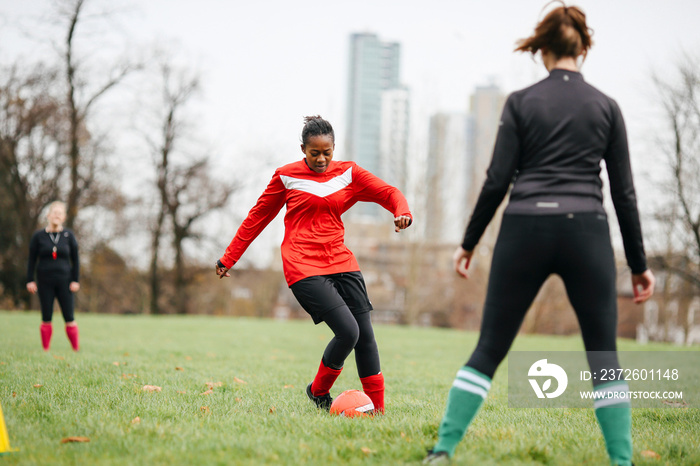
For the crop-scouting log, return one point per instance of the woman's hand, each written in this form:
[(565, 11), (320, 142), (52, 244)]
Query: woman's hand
[(643, 286), (402, 222), (461, 259), (32, 288), (222, 271), (74, 287)]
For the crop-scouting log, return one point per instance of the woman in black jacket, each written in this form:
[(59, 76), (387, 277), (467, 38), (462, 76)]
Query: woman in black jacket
[(550, 143), (53, 257)]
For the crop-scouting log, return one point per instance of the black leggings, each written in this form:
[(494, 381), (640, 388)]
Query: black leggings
[(55, 288), (351, 332), (341, 301), (530, 248)]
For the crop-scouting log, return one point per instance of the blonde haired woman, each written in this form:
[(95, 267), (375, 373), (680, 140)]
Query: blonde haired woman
[(53, 257)]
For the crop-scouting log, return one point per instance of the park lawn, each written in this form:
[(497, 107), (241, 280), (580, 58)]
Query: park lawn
[(259, 414)]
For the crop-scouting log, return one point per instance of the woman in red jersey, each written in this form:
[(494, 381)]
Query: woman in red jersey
[(320, 270)]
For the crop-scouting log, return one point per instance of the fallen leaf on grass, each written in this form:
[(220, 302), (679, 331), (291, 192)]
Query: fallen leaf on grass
[(178, 368), (366, 451), (136, 420), (75, 439), (208, 392), (675, 404), (115, 363), (58, 357), (211, 385), (129, 376), (151, 388), (189, 358), (14, 394), (182, 392), (238, 400), (289, 386), (237, 380), (205, 409), (650, 454), (3, 363), (272, 410), (38, 385)]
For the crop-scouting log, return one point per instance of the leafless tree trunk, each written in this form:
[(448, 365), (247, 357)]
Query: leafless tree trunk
[(681, 104), (79, 102), (30, 167), (194, 194), (186, 191)]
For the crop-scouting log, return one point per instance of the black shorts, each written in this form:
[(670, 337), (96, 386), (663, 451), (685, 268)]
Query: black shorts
[(322, 293)]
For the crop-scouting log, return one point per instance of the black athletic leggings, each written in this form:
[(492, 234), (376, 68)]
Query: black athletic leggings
[(341, 301), (55, 288), (351, 332), (531, 247)]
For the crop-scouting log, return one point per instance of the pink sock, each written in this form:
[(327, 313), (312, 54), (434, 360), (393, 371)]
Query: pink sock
[(324, 380), (46, 330), (72, 332), (373, 386)]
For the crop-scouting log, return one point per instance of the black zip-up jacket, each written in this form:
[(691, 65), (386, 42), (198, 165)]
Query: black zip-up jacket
[(551, 140), (66, 263)]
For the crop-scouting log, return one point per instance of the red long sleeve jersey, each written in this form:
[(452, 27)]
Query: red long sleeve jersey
[(314, 232)]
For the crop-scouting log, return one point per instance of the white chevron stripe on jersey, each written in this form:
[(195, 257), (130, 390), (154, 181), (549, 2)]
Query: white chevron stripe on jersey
[(318, 189)]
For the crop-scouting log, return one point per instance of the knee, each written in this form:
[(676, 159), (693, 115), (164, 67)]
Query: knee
[(350, 335)]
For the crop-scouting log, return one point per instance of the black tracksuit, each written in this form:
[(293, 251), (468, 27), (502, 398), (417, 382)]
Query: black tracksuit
[(53, 276), (552, 137)]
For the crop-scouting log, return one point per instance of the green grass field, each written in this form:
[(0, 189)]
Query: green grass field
[(260, 414)]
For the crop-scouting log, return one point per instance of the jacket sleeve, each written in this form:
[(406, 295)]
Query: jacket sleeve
[(33, 255), (370, 188), (499, 176), (617, 162), (265, 210), (74, 258)]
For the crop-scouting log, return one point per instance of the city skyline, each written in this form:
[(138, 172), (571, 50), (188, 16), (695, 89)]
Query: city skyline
[(265, 65)]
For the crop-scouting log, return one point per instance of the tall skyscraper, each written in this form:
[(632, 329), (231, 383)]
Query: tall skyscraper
[(448, 177), (486, 106), (377, 112), (393, 137)]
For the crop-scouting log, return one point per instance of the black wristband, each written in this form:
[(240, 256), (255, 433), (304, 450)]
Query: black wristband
[(220, 265)]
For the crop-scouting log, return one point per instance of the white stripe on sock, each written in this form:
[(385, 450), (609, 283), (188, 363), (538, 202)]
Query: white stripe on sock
[(469, 387), (610, 401), (473, 378), (616, 388)]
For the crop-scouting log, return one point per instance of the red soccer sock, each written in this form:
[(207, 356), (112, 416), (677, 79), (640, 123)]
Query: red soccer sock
[(46, 330), (324, 380), (373, 386), (72, 332)]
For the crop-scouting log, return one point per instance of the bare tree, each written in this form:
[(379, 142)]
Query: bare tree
[(186, 191), (193, 194), (31, 166), (80, 100), (681, 104)]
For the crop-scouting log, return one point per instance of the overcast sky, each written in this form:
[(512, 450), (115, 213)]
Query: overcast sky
[(265, 64)]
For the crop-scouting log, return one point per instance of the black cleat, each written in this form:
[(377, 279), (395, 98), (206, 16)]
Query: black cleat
[(323, 401), (436, 457)]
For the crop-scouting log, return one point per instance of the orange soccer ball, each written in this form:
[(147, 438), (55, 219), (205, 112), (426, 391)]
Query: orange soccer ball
[(352, 403)]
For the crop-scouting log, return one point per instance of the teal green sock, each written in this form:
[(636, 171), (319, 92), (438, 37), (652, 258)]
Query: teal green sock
[(615, 419), (466, 396)]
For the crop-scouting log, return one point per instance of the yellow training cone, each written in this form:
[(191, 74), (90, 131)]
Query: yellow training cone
[(4, 438)]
